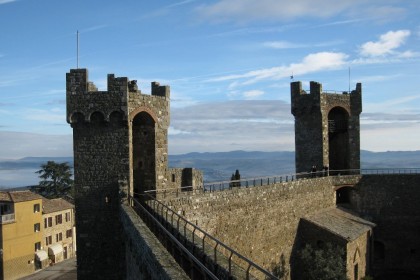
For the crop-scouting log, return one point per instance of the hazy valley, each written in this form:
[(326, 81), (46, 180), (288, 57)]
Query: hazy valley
[(216, 166)]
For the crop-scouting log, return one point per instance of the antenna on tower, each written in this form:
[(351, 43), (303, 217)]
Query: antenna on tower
[(77, 49), (349, 79)]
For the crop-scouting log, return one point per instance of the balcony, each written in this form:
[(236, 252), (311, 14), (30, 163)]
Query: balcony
[(7, 218)]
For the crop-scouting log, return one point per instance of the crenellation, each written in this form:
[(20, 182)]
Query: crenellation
[(327, 129), (315, 88), (159, 90)]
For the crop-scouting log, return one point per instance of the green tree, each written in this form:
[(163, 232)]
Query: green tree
[(55, 178), (325, 263)]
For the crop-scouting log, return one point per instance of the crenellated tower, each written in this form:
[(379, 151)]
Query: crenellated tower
[(120, 147), (327, 127)]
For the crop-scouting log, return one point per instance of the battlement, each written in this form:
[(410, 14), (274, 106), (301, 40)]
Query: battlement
[(302, 101), (78, 83), (121, 97), (315, 88)]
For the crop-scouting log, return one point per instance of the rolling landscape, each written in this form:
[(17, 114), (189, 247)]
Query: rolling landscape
[(215, 166)]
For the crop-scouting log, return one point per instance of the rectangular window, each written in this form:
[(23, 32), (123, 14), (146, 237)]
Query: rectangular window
[(37, 227), (5, 209), (37, 246), (69, 233), (37, 208), (48, 240), (58, 219), (68, 217), (59, 237), (47, 222)]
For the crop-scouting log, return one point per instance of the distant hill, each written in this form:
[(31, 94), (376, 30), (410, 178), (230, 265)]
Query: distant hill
[(31, 162), (220, 166), (216, 166)]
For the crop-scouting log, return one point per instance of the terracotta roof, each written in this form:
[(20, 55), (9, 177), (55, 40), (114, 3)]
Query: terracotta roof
[(341, 222), (55, 205), (18, 196)]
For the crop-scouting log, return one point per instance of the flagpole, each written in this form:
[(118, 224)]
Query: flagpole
[(77, 49), (349, 79)]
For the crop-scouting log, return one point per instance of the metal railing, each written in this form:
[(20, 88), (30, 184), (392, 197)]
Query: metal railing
[(270, 180), (223, 255), (202, 267)]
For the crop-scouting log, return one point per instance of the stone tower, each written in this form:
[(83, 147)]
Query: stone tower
[(120, 147), (327, 127)]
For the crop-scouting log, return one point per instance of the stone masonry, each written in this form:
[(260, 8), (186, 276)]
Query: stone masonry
[(120, 148), (327, 128)]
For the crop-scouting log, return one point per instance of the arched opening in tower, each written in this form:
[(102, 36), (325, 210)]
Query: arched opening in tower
[(343, 196), (338, 140), (144, 153)]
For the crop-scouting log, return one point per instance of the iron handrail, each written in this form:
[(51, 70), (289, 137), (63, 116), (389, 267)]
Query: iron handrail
[(218, 243), (202, 267), (320, 173), (269, 180)]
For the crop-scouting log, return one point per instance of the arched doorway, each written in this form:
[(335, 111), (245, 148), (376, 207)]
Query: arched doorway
[(144, 153), (338, 140)]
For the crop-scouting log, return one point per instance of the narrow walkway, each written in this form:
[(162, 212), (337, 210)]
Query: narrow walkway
[(65, 270)]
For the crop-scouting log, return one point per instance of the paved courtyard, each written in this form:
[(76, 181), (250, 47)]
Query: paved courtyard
[(65, 270)]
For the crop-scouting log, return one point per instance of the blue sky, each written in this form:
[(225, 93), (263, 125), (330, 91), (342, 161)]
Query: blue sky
[(228, 63)]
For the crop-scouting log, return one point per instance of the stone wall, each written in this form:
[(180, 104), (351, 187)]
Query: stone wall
[(146, 257), (17, 268), (392, 203), (261, 222), (258, 222), (184, 177)]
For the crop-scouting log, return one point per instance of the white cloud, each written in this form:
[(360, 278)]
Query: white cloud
[(392, 104), (15, 145), (252, 94), (225, 126), (311, 63), (6, 1), (372, 133), (408, 54), (174, 131), (386, 45), (248, 10), (179, 4), (282, 45), (54, 115), (93, 28)]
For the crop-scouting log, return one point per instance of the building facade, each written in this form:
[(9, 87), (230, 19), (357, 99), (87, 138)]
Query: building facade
[(21, 233), (59, 239)]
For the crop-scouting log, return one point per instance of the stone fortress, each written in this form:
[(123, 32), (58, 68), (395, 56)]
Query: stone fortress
[(120, 151)]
